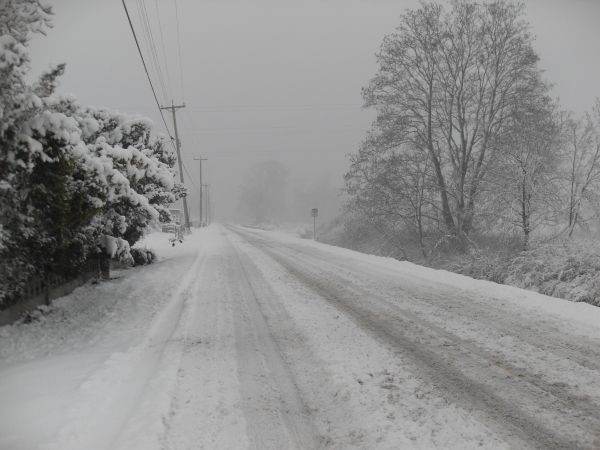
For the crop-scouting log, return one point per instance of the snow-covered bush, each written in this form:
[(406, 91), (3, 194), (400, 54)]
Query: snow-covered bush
[(567, 269), (142, 256)]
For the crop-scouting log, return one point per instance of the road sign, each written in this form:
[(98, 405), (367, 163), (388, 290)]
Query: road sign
[(314, 212)]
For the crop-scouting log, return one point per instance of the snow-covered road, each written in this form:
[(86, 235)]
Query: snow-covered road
[(242, 338)]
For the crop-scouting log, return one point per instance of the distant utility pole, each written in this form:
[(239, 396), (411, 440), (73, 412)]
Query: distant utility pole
[(207, 186), (208, 205), (200, 159), (173, 108)]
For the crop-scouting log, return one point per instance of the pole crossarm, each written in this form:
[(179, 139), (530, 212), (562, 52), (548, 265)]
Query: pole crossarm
[(172, 107)]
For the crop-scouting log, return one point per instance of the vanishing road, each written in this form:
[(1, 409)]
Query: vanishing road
[(243, 338)]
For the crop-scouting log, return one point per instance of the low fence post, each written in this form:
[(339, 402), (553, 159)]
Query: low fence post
[(46, 290)]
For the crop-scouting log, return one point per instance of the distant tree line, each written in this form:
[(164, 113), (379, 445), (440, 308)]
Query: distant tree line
[(75, 181), (467, 137)]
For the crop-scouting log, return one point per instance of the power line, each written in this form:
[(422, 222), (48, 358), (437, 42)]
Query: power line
[(188, 174), (162, 41), (282, 150), (179, 50), (279, 131), (277, 127), (137, 44), (251, 107), (148, 47), (143, 12), (266, 108)]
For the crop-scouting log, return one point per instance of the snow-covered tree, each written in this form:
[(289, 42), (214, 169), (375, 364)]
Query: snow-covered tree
[(19, 21), (146, 161), (74, 181)]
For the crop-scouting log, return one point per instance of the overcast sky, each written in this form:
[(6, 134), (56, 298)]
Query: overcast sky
[(274, 79)]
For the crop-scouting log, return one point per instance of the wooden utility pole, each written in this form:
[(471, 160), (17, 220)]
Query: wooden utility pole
[(200, 159), (207, 209), (208, 206), (173, 108)]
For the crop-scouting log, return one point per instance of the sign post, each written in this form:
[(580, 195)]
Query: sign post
[(314, 213)]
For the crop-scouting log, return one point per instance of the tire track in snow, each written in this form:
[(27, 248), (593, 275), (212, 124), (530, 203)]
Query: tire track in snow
[(275, 413), (447, 306), (500, 400), (539, 349)]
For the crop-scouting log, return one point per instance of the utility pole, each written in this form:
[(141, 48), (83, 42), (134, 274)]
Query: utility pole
[(173, 108), (211, 207), (207, 186), (200, 159), (208, 206)]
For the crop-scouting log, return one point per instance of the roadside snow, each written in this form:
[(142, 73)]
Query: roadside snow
[(67, 379)]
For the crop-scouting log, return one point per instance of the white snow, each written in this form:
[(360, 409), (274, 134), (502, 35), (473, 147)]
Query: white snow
[(218, 345)]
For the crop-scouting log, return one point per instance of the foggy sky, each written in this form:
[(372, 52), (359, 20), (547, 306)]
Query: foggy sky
[(266, 79)]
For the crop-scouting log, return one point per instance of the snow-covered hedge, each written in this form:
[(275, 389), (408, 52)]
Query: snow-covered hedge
[(74, 180)]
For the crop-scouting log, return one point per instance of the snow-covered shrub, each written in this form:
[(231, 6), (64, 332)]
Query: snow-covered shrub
[(116, 248), (481, 265), (142, 256), (567, 269)]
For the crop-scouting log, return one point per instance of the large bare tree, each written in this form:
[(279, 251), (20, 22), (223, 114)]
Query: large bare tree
[(447, 85)]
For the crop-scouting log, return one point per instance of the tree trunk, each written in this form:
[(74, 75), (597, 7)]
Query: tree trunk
[(525, 215)]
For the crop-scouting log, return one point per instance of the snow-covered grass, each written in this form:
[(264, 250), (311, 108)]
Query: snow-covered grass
[(567, 269)]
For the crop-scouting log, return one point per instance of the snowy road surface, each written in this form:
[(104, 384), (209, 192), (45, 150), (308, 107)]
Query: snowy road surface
[(249, 339)]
